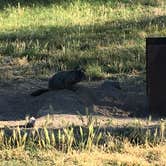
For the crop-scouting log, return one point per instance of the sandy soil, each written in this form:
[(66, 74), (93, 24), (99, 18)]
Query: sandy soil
[(99, 98)]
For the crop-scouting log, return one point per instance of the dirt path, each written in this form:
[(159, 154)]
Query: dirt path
[(100, 98)]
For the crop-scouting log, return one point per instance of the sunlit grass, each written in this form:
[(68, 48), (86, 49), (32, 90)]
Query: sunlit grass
[(72, 14), (59, 36)]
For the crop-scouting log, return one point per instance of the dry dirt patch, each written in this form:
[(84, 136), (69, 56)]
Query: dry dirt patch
[(100, 98)]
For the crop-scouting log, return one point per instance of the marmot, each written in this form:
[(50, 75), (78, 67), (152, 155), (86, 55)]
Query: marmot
[(62, 80)]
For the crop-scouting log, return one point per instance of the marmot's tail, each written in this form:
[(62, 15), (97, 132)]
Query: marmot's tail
[(39, 92)]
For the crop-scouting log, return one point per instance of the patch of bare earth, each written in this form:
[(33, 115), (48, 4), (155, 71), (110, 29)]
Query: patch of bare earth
[(100, 98)]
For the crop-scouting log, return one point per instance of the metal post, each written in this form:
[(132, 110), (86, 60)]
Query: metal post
[(156, 75)]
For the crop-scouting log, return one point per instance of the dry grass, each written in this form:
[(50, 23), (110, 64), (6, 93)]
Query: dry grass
[(130, 155)]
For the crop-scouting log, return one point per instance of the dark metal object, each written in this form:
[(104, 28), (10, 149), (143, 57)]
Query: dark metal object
[(156, 75)]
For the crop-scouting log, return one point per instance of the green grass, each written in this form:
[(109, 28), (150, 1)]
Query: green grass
[(58, 35)]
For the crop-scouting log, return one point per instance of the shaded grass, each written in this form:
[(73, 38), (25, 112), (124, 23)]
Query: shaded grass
[(31, 3)]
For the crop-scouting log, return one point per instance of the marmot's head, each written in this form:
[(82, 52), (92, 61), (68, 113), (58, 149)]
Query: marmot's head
[(80, 73)]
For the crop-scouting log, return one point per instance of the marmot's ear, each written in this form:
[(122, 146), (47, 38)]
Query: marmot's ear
[(79, 67)]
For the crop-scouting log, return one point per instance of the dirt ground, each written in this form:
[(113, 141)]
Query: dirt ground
[(100, 98)]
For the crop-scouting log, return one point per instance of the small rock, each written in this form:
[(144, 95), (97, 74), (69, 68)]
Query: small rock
[(31, 122)]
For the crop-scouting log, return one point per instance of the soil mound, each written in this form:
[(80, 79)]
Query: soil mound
[(100, 97)]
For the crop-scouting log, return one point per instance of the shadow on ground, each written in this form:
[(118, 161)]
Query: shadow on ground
[(98, 97), (31, 3)]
